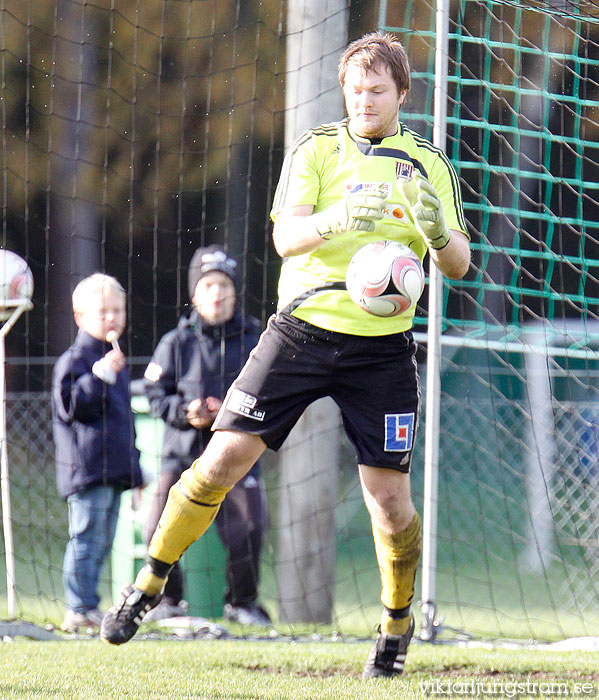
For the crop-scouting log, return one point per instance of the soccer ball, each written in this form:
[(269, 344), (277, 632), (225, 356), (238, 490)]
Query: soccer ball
[(16, 282), (385, 278)]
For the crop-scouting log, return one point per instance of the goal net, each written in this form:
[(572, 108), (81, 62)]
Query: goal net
[(132, 133), (517, 534)]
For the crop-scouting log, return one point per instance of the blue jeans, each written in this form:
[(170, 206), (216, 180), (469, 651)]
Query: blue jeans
[(93, 516)]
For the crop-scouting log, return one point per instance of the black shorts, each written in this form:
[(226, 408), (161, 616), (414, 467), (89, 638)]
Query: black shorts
[(373, 380)]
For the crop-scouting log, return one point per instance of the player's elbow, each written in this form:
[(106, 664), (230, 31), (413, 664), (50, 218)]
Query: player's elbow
[(293, 231), (456, 264), (281, 243), (294, 236), (458, 268), (282, 235)]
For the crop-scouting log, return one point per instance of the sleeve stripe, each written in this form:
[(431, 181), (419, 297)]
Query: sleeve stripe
[(331, 130)]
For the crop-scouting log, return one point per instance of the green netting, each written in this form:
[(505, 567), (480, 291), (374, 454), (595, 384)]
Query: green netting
[(518, 465), (523, 133)]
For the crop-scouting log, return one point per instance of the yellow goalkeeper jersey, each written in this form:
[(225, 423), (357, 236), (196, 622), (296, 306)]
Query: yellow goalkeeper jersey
[(324, 165)]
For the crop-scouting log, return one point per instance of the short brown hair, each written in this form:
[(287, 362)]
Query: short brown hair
[(374, 49)]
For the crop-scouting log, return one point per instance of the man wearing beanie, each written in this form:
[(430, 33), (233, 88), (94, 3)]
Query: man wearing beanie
[(190, 372)]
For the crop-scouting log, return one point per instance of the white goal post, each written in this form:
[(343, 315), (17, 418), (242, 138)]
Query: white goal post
[(19, 307)]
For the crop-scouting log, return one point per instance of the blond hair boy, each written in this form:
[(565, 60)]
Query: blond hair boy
[(94, 436)]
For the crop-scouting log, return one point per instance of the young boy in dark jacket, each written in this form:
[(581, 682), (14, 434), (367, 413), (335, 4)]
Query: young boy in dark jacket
[(94, 436), (190, 372)]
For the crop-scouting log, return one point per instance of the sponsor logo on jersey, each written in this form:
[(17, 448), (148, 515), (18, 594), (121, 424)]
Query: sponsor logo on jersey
[(404, 171), (399, 432), (244, 405), (393, 210), (368, 187)]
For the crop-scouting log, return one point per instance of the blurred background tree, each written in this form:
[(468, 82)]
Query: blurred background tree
[(133, 133)]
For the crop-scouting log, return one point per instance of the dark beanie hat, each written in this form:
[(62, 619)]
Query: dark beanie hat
[(206, 260)]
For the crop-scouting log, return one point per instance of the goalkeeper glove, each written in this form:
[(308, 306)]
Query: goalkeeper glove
[(426, 210), (357, 212)]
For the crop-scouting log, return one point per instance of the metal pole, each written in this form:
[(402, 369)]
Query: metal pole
[(382, 14), (75, 241), (430, 625), (4, 475), (541, 465)]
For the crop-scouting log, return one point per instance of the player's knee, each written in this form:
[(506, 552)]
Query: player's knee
[(393, 512), (228, 457)]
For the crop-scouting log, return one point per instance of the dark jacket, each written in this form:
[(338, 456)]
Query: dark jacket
[(193, 361), (92, 422)]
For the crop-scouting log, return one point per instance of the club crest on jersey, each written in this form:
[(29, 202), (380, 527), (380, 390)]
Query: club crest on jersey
[(399, 432), (244, 405), (404, 171)]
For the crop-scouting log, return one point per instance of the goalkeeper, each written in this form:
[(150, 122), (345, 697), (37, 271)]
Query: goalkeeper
[(343, 185)]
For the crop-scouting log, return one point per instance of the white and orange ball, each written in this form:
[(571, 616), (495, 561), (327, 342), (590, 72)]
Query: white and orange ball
[(385, 278), (16, 282)]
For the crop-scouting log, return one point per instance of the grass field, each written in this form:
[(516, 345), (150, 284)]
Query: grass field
[(246, 670), (483, 586)]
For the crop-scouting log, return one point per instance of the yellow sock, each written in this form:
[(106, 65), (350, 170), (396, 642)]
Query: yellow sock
[(148, 582), (395, 627), (192, 505), (397, 555)]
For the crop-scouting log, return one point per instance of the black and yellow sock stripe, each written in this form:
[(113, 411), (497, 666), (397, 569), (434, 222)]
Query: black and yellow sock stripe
[(193, 503)]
